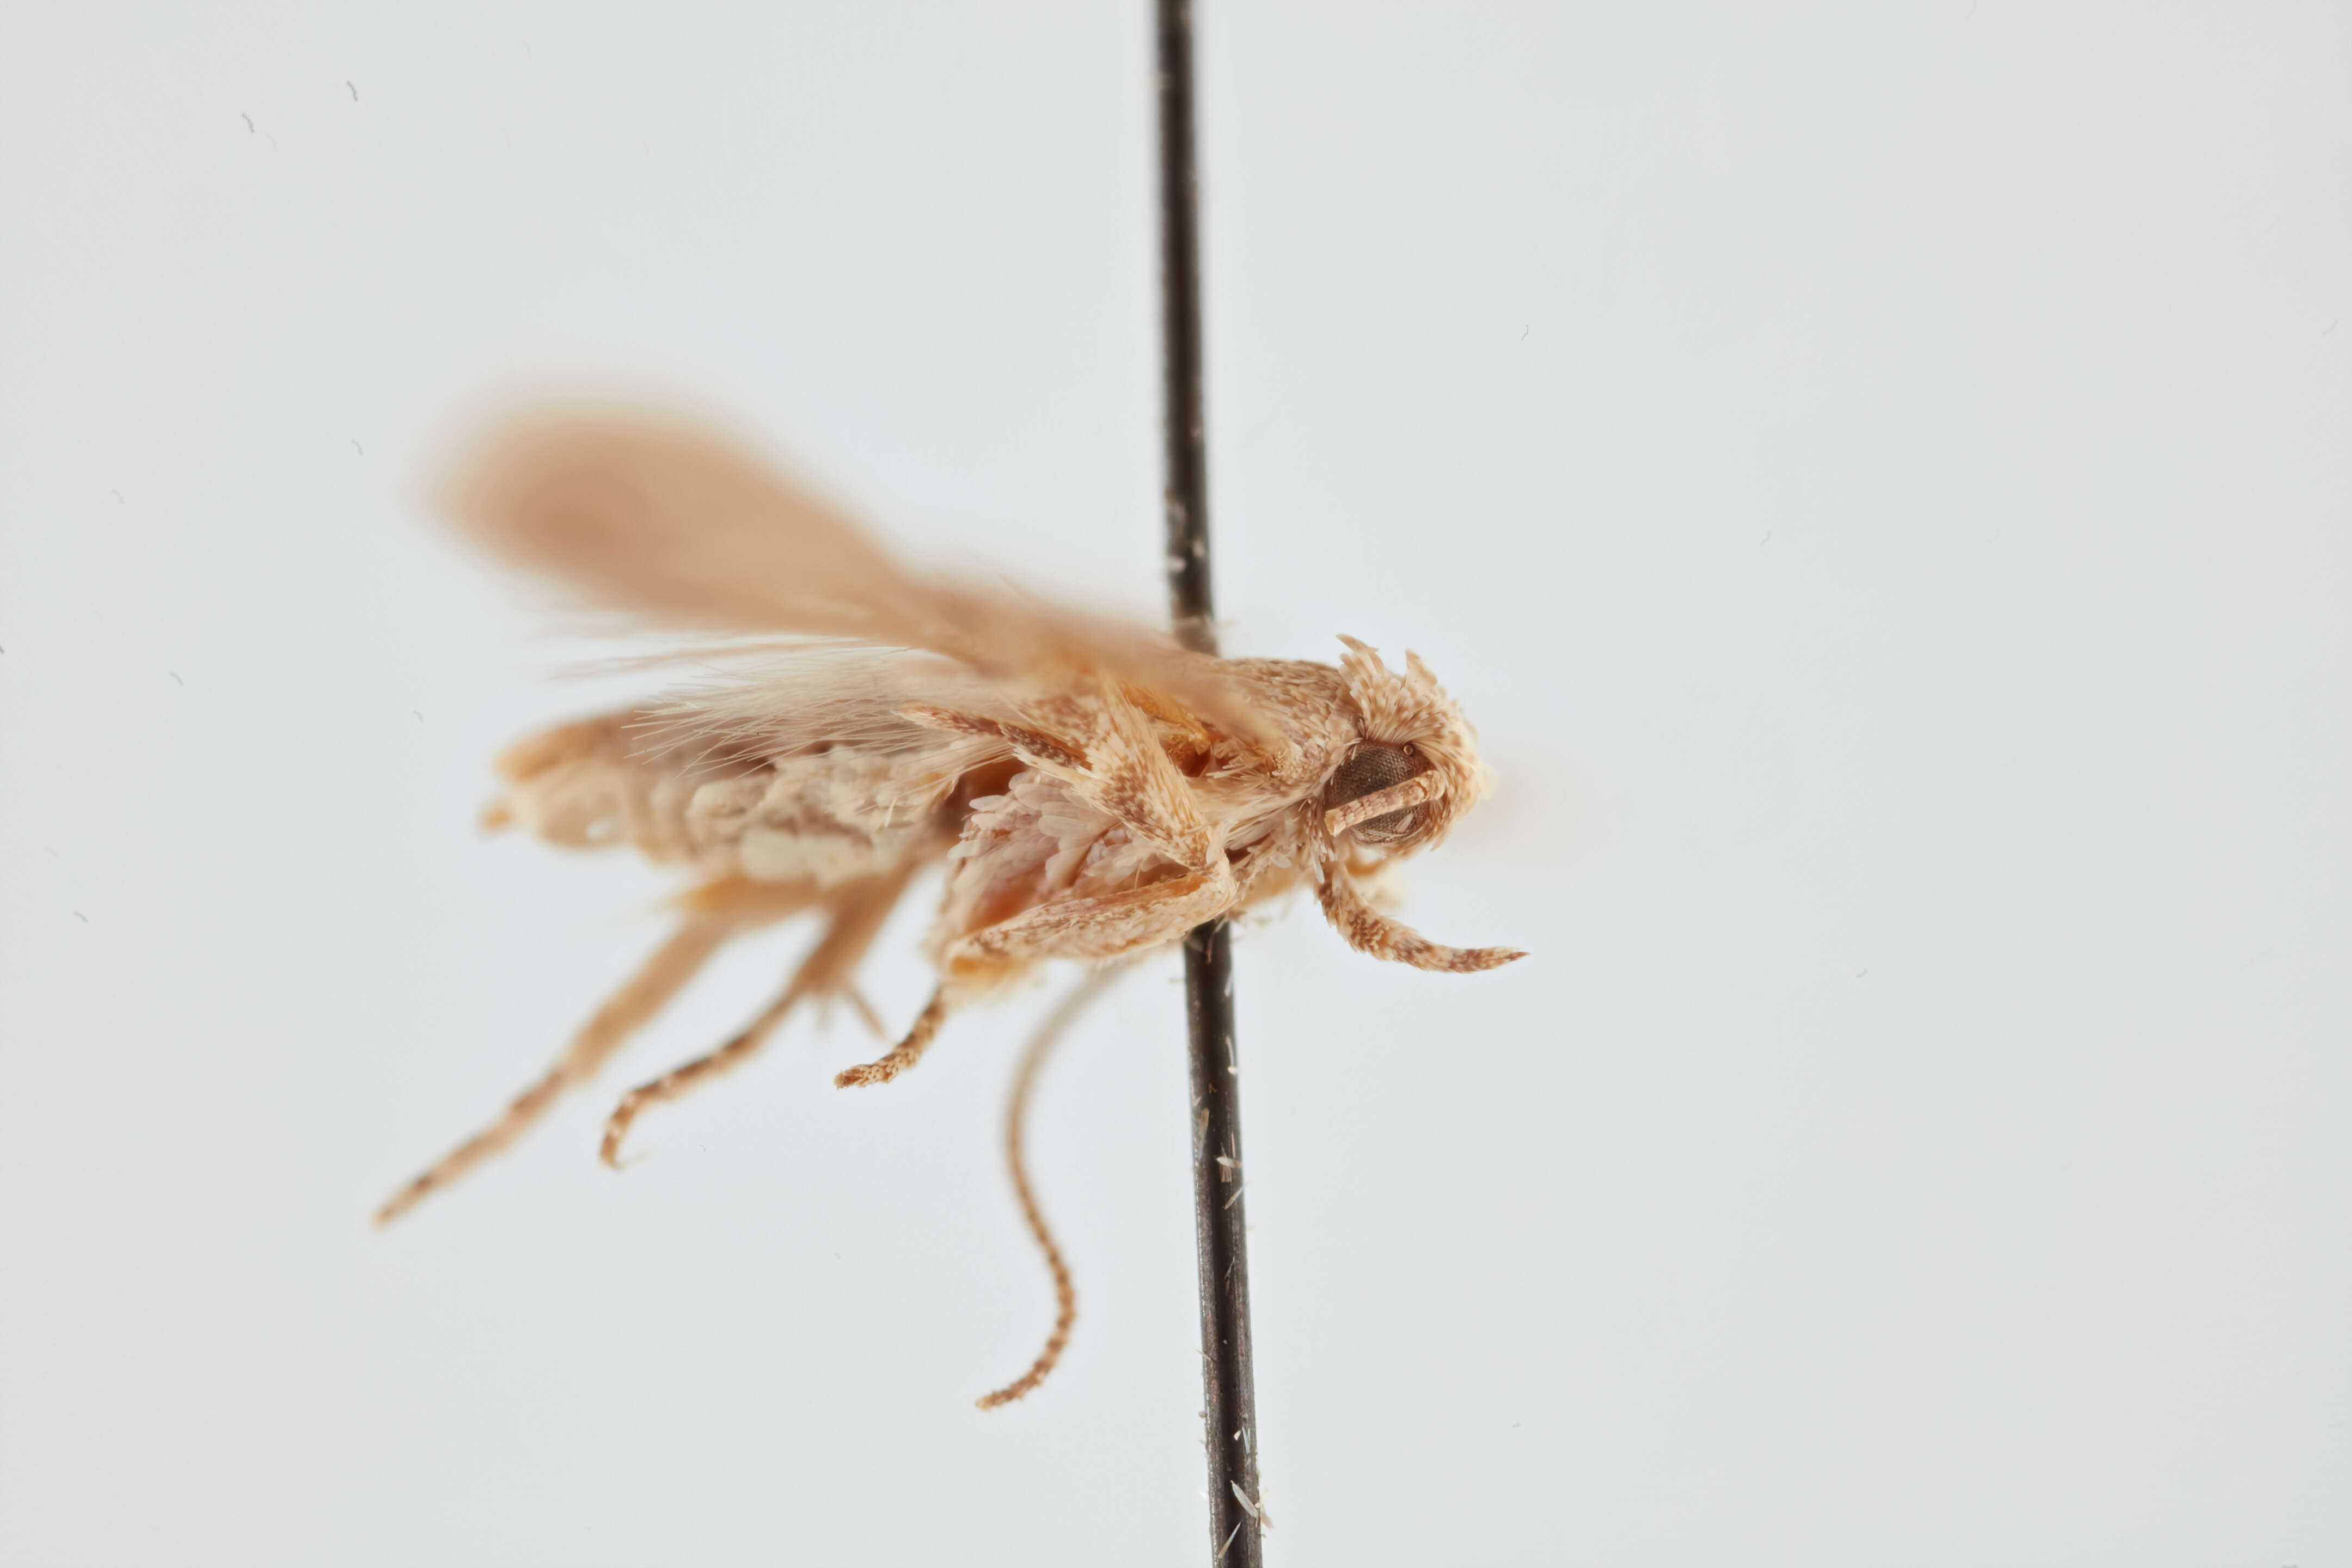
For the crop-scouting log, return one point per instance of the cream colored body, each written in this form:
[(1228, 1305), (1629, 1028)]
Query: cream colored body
[(1092, 789), (1103, 828)]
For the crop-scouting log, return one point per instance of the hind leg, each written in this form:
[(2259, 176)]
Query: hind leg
[(857, 913), (714, 913)]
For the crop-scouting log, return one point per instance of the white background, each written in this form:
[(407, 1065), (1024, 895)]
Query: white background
[(1875, 474)]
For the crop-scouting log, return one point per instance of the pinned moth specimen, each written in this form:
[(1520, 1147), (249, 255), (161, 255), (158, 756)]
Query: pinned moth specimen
[(1090, 789)]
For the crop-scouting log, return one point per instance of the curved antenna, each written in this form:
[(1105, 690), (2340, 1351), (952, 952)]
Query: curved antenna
[(1016, 1114)]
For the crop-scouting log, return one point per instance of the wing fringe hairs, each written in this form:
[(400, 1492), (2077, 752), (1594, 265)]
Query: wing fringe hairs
[(665, 522)]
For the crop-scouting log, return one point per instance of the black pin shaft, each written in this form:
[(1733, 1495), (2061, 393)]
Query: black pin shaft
[(1218, 1217), (1190, 602)]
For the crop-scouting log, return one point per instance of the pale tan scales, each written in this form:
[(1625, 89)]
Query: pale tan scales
[(1091, 789)]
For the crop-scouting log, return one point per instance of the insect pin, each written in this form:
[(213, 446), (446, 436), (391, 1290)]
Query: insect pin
[(1091, 789)]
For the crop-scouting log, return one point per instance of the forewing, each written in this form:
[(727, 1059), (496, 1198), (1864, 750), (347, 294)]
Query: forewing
[(666, 521)]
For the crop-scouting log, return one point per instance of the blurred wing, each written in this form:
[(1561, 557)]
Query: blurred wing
[(666, 521)]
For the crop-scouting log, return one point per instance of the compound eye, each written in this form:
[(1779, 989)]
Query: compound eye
[(1372, 767)]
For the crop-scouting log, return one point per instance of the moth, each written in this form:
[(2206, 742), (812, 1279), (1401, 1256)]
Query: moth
[(1091, 789)]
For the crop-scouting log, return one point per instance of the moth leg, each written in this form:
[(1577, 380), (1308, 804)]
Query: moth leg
[(1017, 1111), (865, 1012), (1368, 930), (1130, 779), (714, 914), (1102, 927), (903, 1055), (1102, 747), (857, 911)]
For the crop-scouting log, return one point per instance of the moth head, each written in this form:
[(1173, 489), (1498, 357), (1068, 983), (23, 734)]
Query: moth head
[(1415, 767)]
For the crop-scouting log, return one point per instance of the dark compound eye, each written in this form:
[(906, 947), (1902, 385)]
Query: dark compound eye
[(1372, 767)]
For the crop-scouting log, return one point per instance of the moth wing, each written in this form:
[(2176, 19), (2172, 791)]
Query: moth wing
[(667, 522)]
